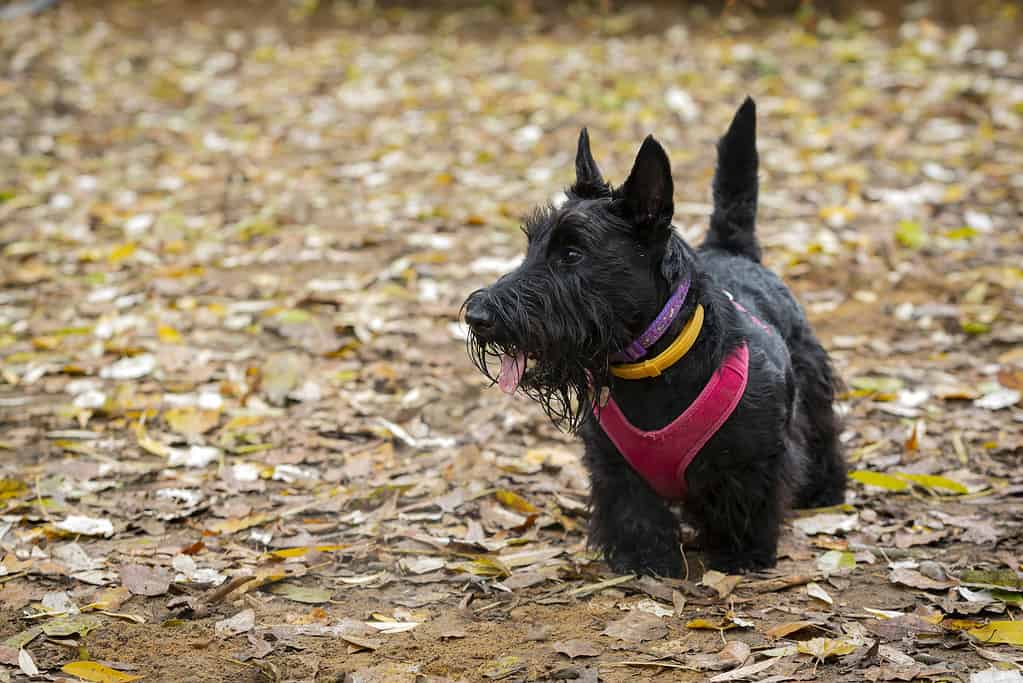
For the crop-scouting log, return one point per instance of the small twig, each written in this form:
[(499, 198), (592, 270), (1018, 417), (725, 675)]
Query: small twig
[(224, 590), (588, 589), (663, 665), (496, 603), (780, 584), (39, 502), (11, 577)]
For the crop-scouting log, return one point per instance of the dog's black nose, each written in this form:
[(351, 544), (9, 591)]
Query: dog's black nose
[(479, 317)]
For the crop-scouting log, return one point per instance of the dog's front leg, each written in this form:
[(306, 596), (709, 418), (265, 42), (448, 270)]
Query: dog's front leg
[(737, 511), (631, 524)]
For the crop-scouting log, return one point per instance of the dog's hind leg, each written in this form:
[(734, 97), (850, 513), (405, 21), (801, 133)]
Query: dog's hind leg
[(824, 481), (629, 522)]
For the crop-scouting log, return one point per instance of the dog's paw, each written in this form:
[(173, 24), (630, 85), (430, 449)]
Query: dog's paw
[(822, 498), (666, 564), (741, 563)]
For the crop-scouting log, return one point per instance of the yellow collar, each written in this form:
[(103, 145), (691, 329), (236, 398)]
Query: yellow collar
[(665, 359)]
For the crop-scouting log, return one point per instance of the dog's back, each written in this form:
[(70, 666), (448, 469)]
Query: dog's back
[(731, 254)]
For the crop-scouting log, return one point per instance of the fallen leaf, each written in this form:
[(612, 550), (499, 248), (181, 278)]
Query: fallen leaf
[(734, 654), (909, 539), (996, 676), (744, 672), (239, 623), (78, 624), (233, 526), (27, 664), (303, 594), (1004, 579), (729, 621), (503, 667), (836, 562), (636, 627), (515, 501), (392, 625), (86, 526), (998, 399), (133, 367), (482, 566), (932, 481), (902, 626), (816, 592), (722, 584), (576, 648), (143, 580), (914, 579), (788, 628), (879, 480), (23, 638), (823, 648), (1009, 632), (97, 673), (191, 422), (826, 523), (911, 234)]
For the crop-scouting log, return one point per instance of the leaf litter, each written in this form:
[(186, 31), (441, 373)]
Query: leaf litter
[(237, 422)]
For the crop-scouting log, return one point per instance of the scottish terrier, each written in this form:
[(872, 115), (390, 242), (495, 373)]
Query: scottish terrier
[(692, 376)]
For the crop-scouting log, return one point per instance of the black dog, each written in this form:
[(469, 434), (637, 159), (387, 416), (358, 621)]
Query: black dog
[(597, 271)]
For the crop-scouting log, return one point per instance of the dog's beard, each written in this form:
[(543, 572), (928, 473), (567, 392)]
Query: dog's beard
[(563, 384), (561, 365)]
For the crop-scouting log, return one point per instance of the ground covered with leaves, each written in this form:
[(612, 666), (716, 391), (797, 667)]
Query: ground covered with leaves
[(239, 436)]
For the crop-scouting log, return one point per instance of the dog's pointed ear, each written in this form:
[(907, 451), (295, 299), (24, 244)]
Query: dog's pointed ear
[(647, 195), (589, 183)]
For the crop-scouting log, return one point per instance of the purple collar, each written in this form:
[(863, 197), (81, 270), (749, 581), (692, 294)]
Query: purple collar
[(641, 344)]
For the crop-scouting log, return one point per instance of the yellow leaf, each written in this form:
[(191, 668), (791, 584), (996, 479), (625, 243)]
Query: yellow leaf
[(822, 648), (12, 488), (884, 481), (723, 625), (168, 335), (788, 628), (233, 526), (45, 343), (97, 673), (483, 566), (151, 445), (515, 501), (191, 421), (961, 624), (121, 252), (913, 442), (932, 481), (110, 599), (241, 421), (1010, 632), (301, 551), (910, 234)]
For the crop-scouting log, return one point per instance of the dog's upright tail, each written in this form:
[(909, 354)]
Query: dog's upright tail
[(735, 187)]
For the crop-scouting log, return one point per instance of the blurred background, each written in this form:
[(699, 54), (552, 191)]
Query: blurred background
[(235, 238)]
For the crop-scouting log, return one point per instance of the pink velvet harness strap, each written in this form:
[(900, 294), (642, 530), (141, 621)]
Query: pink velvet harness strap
[(662, 456)]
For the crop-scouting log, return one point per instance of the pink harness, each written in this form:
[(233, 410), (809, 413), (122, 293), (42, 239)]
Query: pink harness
[(662, 456)]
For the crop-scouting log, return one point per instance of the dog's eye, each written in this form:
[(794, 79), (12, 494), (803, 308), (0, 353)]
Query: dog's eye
[(571, 257)]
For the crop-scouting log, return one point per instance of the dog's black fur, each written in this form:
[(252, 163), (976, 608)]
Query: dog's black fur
[(597, 270)]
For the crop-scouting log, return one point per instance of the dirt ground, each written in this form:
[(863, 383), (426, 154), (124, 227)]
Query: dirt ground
[(240, 439)]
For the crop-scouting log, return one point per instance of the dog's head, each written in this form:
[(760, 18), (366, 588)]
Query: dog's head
[(594, 275)]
